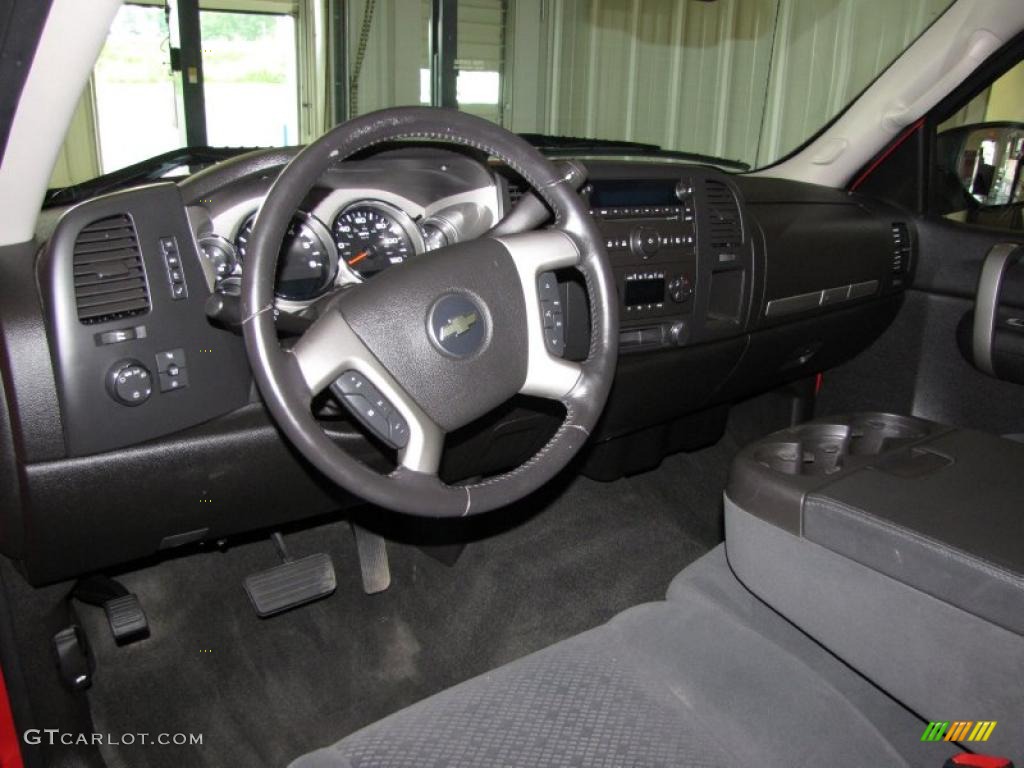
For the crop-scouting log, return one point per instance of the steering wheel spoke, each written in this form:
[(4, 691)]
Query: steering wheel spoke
[(536, 255), (331, 355), (440, 340)]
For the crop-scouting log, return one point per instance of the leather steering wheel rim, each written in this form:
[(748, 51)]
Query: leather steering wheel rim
[(289, 378)]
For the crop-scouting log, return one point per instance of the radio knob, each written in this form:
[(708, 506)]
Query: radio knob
[(644, 242)]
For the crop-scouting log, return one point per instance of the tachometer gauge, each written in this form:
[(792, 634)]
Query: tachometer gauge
[(306, 265), (373, 236)]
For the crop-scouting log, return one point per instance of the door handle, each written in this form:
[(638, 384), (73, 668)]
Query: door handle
[(1000, 258)]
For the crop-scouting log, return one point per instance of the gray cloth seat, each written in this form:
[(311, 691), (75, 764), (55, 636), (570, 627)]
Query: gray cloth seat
[(711, 677)]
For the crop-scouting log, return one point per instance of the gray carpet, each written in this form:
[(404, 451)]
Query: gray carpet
[(262, 692)]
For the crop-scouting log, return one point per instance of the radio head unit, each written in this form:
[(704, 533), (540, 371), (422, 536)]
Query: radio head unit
[(642, 193)]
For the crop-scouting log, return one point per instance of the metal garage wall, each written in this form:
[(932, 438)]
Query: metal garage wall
[(393, 53), (679, 74), (742, 79), (827, 52)]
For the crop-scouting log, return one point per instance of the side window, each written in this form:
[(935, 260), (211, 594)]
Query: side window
[(979, 151)]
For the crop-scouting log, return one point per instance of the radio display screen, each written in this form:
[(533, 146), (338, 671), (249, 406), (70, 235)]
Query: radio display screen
[(609, 194), (646, 291)]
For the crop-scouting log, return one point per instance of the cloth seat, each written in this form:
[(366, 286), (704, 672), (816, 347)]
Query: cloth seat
[(712, 677)]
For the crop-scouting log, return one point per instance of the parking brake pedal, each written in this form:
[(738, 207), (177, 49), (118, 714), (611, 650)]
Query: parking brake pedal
[(125, 616), (291, 584)]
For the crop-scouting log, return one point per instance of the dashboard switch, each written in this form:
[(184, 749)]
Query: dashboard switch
[(170, 366), (175, 275), (175, 357), (371, 408), (116, 337), (129, 382), (174, 379)]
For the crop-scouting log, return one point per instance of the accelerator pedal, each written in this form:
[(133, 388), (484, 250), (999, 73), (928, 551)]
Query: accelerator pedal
[(291, 584), (373, 560)]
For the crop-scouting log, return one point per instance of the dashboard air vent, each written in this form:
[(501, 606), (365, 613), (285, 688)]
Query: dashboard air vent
[(900, 247), (110, 281), (726, 228)]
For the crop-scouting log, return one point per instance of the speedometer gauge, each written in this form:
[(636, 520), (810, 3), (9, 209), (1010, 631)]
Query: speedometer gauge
[(306, 265), (373, 236)]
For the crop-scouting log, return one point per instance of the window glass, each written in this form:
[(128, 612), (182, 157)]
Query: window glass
[(480, 58), (249, 79), (738, 82), (979, 157), (132, 78)]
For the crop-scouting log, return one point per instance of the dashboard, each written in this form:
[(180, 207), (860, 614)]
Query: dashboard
[(354, 224), (131, 398)]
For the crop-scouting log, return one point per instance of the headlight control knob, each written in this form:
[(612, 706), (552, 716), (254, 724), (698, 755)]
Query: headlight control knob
[(129, 382)]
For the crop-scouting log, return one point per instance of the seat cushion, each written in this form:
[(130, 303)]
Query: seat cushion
[(690, 682)]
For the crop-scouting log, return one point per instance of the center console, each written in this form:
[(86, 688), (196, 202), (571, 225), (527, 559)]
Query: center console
[(896, 543), (681, 253)]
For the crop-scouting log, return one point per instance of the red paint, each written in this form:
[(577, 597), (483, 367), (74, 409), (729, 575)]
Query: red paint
[(888, 151), (10, 750), (980, 761), (819, 382)]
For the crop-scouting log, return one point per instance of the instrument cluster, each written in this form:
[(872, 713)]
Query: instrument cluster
[(365, 238)]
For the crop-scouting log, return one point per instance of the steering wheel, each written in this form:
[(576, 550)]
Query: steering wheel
[(435, 342)]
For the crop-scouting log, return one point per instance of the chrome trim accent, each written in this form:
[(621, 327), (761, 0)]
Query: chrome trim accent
[(986, 304)]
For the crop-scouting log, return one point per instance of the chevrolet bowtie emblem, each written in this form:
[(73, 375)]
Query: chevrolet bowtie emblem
[(458, 325)]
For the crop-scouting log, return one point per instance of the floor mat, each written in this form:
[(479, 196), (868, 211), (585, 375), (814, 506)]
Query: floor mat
[(262, 692)]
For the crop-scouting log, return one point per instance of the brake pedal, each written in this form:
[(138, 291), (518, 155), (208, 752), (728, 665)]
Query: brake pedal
[(291, 584), (373, 560)]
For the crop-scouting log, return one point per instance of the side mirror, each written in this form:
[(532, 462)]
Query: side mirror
[(980, 171)]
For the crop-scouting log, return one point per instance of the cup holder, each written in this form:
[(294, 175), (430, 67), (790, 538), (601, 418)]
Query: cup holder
[(821, 448), (875, 433), (818, 449)]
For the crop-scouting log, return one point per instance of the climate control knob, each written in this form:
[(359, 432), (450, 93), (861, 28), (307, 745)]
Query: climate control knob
[(680, 289), (129, 382)]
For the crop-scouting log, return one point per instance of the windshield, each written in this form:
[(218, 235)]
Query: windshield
[(739, 83)]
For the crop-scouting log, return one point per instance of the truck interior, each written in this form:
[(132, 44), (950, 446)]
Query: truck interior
[(392, 383)]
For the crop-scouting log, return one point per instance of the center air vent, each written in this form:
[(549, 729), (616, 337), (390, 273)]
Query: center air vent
[(726, 228), (900, 247), (110, 281)]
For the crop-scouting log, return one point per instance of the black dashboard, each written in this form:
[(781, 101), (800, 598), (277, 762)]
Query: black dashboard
[(137, 428)]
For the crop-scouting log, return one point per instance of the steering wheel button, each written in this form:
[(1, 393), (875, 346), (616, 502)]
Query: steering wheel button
[(399, 430), (372, 409), (350, 382)]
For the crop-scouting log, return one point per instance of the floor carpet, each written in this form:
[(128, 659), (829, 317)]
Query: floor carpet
[(262, 692)]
